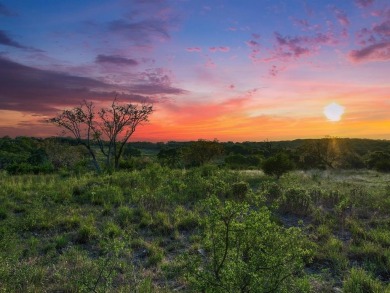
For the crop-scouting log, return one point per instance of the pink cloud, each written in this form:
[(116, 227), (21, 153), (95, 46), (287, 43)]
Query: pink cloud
[(364, 3), (341, 17), (219, 49), (275, 70), (210, 63), (255, 50), (194, 49), (375, 52), (382, 28), (296, 47)]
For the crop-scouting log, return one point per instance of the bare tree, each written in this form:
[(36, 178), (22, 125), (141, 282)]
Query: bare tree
[(116, 125), (79, 122), (110, 128)]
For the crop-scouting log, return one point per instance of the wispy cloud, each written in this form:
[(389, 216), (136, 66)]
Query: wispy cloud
[(341, 16), (6, 40), (115, 59), (194, 49), (383, 28), (375, 40), (254, 46), (288, 47), (364, 3), (375, 52), (223, 49)]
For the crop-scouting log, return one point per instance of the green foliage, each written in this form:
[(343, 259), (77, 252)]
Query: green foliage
[(238, 161), (85, 232), (244, 251), (296, 201), (379, 160), (240, 190), (170, 157), (278, 165), (98, 194), (359, 281), (201, 152), (130, 151)]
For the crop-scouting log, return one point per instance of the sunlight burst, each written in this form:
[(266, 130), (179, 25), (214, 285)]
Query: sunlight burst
[(334, 112)]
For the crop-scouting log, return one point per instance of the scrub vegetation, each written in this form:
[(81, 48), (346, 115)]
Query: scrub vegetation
[(204, 216)]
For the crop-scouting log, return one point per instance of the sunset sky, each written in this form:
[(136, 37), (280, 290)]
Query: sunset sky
[(246, 70)]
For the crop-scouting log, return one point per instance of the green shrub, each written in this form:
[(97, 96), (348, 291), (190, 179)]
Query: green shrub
[(161, 223), (273, 191), (61, 241), (278, 165), (98, 194), (124, 216), (359, 281), (185, 220), (296, 201), (111, 230), (86, 233), (240, 190), (333, 249), (244, 251)]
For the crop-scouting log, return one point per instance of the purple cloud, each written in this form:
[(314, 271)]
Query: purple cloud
[(364, 3), (375, 52), (375, 40), (305, 25), (194, 49), (29, 89), (114, 59), (273, 71), (341, 17), (219, 49), (7, 41), (295, 47), (156, 81), (291, 47), (255, 50), (383, 28), (156, 89)]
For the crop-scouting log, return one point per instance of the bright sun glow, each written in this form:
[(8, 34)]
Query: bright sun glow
[(334, 112)]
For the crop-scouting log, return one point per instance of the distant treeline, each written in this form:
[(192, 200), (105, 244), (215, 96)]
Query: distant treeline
[(37, 155)]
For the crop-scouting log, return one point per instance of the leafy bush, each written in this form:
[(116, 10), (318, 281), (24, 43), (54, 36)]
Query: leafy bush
[(240, 190), (244, 251), (296, 201), (278, 165)]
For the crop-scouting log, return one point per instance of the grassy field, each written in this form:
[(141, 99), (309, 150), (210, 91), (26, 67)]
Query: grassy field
[(204, 229)]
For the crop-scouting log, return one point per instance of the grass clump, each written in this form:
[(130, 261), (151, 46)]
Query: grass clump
[(359, 281)]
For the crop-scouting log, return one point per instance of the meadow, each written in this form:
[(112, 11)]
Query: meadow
[(200, 229)]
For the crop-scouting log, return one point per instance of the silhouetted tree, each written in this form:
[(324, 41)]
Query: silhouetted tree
[(109, 127)]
